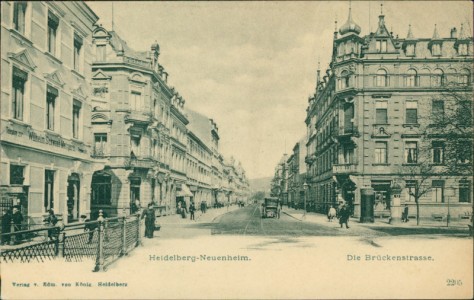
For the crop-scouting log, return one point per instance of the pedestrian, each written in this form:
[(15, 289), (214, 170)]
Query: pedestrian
[(149, 215), (88, 227), (192, 208), (6, 226), (405, 214), (344, 216), (331, 213), (281, 205), (17, 218), (51, 222), (203, 207)]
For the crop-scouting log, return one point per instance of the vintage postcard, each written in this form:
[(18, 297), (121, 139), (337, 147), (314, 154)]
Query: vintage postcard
[(236, 150)]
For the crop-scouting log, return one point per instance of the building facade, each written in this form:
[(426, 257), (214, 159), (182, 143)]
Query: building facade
[(45, 108), (370, 126), (298, 192)]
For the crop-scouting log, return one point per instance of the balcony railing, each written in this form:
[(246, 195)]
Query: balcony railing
[(137, 62), (344, 169), (139, 117), (345, 131)]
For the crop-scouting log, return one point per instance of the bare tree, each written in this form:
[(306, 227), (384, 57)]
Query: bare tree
[(446, 143)]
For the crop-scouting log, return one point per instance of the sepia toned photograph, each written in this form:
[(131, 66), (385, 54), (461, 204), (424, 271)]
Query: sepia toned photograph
[(236, 150)]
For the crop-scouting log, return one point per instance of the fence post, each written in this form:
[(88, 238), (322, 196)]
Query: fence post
[(12, 236), (61, 242), (139, 240), (99, 262), (124, 236)]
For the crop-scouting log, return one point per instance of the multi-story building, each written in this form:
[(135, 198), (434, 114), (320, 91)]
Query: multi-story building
[(297, 178), (45, 108), (371, 117), (199, 157), (279, 184), (137, 124)]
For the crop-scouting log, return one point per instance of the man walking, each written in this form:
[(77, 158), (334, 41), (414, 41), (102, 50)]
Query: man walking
[(344, 216), (192, 208), (6, 226)]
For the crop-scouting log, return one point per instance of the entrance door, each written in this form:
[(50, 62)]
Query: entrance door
[(73, 188), (135, 204), (382, 196)]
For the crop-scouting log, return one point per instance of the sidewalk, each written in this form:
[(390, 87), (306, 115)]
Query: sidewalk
[(322, 220)]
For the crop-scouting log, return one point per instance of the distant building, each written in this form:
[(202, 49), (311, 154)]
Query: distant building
[(297, 178), (367, 119), (45, 108)]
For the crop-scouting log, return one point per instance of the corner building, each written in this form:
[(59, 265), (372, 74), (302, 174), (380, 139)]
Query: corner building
[(367, 119), (45, 109), (138, 128)]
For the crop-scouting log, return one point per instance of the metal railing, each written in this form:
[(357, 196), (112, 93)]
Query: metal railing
[(104, 240)]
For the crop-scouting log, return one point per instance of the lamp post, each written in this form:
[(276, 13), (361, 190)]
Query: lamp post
[(305, 186)]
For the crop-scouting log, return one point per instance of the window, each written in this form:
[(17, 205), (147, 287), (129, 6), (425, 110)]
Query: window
[(464, 191), (381, 78), (17, 174), (411, 152), (438, 77), (438, 152), (76, 114), (462, 49), (101, 189), (100, 52), (135, 144), (411, 112), (18, 93), (381, 112), (53, 23), (464, 113), (464, 77), (19, 13), (135, 183), (100, 144), (410, 186), (411, 79), (344, 80), (463, 151), (437, 111), (381, 46), (48, 190), (436, 49), (380, 152), (410, 50), (437, 187), (51, 96), (135, 100), (77, 52)]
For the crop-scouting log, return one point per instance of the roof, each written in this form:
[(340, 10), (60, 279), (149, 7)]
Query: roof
[(200, 125), (120, 44)]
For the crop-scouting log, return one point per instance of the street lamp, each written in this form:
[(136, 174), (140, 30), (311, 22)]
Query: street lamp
[(305, 186)]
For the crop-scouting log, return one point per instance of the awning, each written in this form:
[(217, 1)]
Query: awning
[(184, 192)]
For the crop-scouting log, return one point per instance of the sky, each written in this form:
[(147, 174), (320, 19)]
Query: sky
[(251, 66)]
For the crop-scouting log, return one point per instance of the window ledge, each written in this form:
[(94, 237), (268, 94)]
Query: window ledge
[(411, 125), (410, 164), (53, 58), (380, 164), (20, 37), (78, 74), (49, 131), (19, 122)]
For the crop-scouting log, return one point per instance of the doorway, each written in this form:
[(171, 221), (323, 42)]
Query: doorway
[(73, 188)]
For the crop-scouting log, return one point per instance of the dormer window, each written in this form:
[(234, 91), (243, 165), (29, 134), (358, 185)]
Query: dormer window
[(463, 49), (382, 46), (436, 49), (410, 50)]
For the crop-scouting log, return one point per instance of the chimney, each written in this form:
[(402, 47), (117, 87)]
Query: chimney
[(454, 33)]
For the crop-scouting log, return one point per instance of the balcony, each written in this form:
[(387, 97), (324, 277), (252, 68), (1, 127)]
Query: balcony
[(347, 131), (310, 159), (138, 118), (99, 152), (143, 162), (343, 169)]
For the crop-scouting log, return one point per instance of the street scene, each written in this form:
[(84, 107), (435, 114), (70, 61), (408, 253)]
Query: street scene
[(235, 149)]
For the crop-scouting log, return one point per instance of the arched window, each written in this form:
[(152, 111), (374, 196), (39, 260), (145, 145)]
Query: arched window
[(438, 78), (424, 77), (344, 80), (464, 77), (451, 76), (381, 78), (101, 189), (411, 78)]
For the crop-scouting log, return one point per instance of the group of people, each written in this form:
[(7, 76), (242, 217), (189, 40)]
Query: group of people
[(343, 214), (11, 218)]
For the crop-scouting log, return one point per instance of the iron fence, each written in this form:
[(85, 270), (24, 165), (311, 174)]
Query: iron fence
[(104, 241)]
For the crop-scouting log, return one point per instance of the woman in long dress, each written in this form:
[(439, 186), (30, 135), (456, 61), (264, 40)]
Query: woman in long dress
[(149, 215)]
